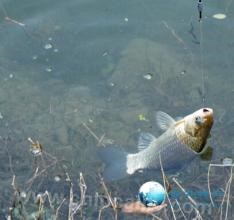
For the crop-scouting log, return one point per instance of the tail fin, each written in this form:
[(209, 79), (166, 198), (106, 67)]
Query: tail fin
[(115, 161)]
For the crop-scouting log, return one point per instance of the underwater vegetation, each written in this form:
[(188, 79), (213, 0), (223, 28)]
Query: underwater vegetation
[(45, 195)]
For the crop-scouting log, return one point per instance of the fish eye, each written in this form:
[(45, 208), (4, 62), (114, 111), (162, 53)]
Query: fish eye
[(198, 120)]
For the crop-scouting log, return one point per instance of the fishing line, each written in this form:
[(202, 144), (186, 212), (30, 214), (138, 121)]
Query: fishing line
[(202, 65), (200, 8)]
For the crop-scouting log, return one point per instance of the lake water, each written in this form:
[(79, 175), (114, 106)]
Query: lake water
[(74, 72)]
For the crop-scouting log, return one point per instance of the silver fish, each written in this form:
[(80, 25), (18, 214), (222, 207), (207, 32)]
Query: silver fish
[(181, 141)]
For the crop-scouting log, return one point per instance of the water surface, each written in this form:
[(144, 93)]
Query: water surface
[(66, 64)]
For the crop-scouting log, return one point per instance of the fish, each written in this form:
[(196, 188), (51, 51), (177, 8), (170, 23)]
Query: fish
[(181, 141)]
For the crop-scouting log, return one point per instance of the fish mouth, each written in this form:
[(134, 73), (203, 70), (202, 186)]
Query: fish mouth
[(207, 110), (208, 114)]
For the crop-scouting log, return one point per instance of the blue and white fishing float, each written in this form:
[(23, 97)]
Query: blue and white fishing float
[(152, 193)]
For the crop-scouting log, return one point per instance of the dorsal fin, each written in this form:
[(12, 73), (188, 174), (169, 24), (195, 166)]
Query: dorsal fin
[(164, 121), (145, 140)]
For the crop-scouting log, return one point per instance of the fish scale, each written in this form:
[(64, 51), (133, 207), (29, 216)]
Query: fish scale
[(171, 149)]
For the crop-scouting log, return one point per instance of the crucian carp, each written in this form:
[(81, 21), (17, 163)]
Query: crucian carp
[(181, 141)]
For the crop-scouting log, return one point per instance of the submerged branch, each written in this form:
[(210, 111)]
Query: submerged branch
[(102, 141), (165, 186), (111, 201), (14, 21), (226, 194), (184, 191), (208, 177), (75, 207), (194, 203)]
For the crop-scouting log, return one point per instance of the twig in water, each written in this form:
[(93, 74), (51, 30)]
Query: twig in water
[(49, 198), (8, 154), (165, 186), (174, 34), (57, 210), (198, 215), (37, 174), (13, 183), (91, 132), (17, 203), (226, 192), (194, 204), (156, 217), (41, 201), (75, 207), (37, 150), (178, 38), (101, 209), (14, 21), (181, 209), (112, 202), (70, 205), (100, 141), (83, 189), (184, 191), (228, 195), (208, 182), (208, 177), (30, 181)]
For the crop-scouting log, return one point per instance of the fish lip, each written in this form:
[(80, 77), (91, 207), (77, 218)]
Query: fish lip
[(207, 110)]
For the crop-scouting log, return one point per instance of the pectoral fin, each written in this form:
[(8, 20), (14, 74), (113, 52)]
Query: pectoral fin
[(145, 140)]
